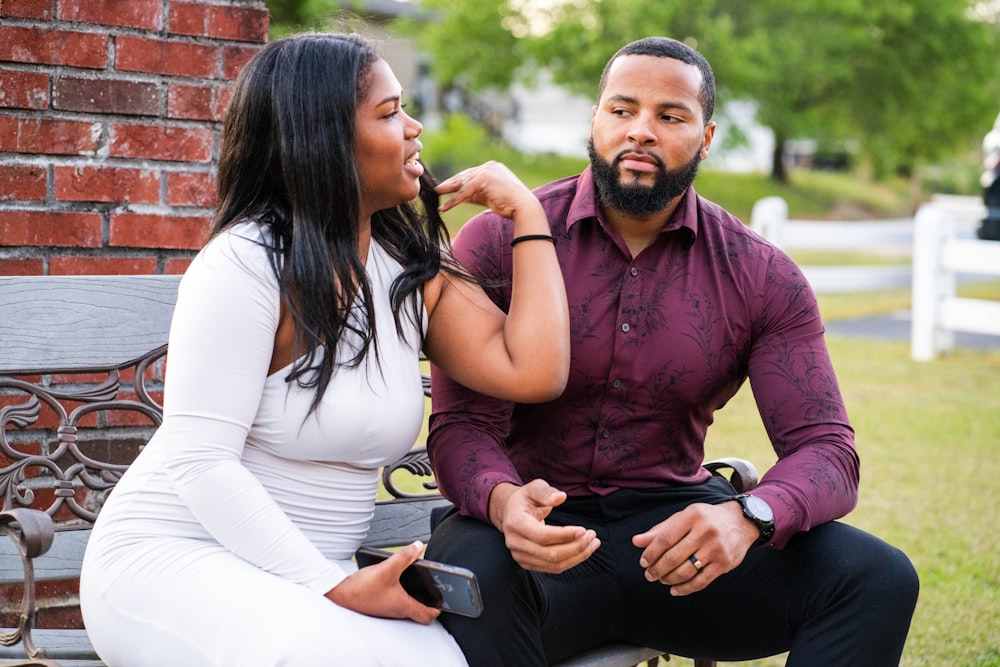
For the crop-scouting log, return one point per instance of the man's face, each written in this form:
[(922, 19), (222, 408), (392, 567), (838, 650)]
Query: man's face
[(648, 133)]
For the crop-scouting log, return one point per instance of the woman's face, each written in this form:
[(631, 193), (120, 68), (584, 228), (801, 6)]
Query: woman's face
[(386, 145)]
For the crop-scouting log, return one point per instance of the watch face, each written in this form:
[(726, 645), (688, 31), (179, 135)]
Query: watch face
[(760, 509)]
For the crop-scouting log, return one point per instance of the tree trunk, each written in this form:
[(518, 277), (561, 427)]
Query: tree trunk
[(778, 172)]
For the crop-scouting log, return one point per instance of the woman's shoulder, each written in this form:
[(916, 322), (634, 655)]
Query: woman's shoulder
[(241, 250)]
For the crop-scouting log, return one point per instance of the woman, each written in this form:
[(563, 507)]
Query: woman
[(293, 376)]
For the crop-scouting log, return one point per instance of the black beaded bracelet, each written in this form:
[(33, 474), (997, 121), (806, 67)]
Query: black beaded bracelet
[(532, 237)]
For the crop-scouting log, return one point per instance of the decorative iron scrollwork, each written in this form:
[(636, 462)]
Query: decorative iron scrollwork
[(44, 427)]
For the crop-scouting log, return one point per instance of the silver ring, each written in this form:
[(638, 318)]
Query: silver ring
[(464, 177), (698, 565)]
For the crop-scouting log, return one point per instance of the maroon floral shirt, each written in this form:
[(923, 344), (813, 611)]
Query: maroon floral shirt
[(659, 343)]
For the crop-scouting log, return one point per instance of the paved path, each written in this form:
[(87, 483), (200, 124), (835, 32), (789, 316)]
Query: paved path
[(896, 326)]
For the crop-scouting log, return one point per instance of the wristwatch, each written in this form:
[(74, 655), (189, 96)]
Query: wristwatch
[(759, 513)]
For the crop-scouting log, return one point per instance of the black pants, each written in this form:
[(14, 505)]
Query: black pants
[(833, 596)]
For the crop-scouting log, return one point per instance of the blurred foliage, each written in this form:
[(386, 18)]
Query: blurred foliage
[(913, 86), (911, 82)]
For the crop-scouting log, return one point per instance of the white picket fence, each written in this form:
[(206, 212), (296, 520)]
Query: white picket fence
[(940, 257), (769, 218), (941, 241)]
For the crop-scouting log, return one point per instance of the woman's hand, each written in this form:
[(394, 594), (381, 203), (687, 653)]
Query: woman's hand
[(492, 185), (375, 590)]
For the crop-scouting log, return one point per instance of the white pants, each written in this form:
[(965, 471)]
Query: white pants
[(206, 607)]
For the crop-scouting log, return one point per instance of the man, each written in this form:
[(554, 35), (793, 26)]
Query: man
[(589, 519)]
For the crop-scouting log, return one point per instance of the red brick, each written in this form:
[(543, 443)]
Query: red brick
[(234, 58), (187, 18), (50, 228), (22, 182), (27, 9), (157, 56), (127, 417), (59, 613), (191, 189), (134, 98), (138, 230), (24, 90), (107, 184), (197, 102), (101, 266), (19, 266), (238, 23), (176, 266), (242, 24), (78, 378), (143, 14), (48, 136), (53, 47), (153, 142)]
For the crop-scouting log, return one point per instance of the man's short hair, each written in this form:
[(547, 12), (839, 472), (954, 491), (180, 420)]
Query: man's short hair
[(665, 47)]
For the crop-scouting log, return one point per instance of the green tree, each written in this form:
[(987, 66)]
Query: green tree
[(291, 16), (908, 81)]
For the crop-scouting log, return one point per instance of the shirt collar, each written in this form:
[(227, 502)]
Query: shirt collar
[(584, 206)]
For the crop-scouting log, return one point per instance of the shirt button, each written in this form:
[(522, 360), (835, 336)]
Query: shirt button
[(597, 482), (634, 271), (616, 384), (626, 327), (606, 434)]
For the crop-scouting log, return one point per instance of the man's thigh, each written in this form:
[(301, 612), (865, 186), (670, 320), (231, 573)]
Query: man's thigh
[(607, 598), (766, 605)]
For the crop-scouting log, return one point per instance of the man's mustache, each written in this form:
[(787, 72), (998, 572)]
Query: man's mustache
[(655, 158)]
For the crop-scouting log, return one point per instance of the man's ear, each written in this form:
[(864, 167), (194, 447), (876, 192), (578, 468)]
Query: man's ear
[(707, 139)]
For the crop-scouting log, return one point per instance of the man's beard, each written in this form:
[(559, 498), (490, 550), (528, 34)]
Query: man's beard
[(633, 197)]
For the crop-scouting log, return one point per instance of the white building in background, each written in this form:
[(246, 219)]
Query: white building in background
[(548, 119)]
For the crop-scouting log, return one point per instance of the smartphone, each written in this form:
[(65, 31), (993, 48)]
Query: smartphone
[(445, 587)]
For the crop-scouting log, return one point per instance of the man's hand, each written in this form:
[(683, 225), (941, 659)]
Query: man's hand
[(519, 512), (375, 590), (717, 536)]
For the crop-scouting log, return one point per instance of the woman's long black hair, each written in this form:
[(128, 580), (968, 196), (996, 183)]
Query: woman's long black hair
[(287, 161)]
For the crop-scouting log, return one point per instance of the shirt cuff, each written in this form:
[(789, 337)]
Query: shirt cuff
[(479, 505)]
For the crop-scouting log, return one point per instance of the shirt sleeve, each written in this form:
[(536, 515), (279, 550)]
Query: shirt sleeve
[(221, 342), (815, 478), (467, 430)]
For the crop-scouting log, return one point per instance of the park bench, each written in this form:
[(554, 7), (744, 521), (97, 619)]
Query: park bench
[(81, 367)]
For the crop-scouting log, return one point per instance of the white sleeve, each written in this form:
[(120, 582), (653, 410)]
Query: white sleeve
[(221, 341)]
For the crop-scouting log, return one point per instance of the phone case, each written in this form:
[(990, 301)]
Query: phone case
[(445, 587)]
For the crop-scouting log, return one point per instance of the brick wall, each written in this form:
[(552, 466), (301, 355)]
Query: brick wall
[(110, 126)]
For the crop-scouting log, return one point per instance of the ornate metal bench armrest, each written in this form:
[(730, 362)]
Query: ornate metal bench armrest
[(32, 533), (744, 476), (417, 463)]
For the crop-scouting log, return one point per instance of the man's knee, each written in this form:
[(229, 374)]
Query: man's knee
[(895, 581), (878, 574)]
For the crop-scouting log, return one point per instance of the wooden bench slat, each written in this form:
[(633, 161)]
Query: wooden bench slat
[(53, 323), (59, 645), (400, 522), (612, 655), (61, 561)]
